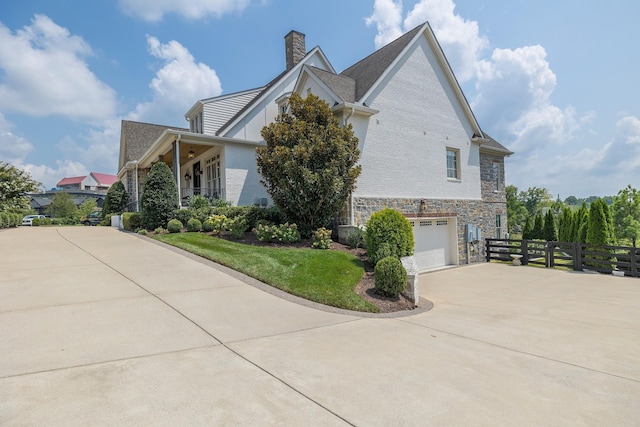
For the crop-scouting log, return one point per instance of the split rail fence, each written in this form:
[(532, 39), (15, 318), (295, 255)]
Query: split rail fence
[(575, 256)]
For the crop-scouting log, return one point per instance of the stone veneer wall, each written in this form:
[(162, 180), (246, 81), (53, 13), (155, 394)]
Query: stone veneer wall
[(481, 213)]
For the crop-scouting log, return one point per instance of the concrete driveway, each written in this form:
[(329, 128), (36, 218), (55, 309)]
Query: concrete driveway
[(100, 327)]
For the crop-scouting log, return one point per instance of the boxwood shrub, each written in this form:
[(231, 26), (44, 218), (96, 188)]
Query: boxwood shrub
[(388, 227), (390, 277)]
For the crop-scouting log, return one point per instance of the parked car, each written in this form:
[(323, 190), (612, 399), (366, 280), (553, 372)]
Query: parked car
[(28, 220), (94, 218)]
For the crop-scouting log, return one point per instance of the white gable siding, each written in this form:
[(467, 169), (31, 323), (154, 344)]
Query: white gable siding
[(265, 112), (217, 112), (404, 145)]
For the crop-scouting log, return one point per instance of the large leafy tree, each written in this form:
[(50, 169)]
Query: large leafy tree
[(159, 198), (14, 184), (535, 199), (516, 211), (88, 206), (309, 163), (62, 206), (116, 200), (626, 214)]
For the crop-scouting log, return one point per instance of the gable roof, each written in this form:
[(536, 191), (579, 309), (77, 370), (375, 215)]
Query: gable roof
[(104, 178), (269, 86), (368, 70), (71, 180), (342, 86), (136, 138)]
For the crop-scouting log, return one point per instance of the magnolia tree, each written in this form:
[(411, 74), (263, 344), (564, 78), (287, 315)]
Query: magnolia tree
[(14, 184), (309, 163)]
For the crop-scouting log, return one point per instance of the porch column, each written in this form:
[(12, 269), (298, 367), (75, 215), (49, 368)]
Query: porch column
[(176, 168)]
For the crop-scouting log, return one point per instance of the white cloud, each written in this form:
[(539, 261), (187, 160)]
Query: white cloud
[(387, 16), (44, 73), (154, 10), (177, 85), (460, 38), (13, 148)]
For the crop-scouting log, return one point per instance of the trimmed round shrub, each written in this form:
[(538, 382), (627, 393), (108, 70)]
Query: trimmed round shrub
[(390, 277), (388, 227), (194, 225), (183, 215), (207, 226), (142, 232), (174, 226), (159, 230)]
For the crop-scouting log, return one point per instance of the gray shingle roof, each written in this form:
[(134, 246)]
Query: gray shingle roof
[(136, 138), (367, 71), (343, 86)]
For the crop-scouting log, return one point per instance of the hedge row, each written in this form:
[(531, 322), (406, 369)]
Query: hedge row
[(10, 219)]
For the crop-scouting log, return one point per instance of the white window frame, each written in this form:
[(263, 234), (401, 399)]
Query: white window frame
[(453, 173)]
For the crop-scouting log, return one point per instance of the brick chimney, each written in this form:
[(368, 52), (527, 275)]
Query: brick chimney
[(295, 49)]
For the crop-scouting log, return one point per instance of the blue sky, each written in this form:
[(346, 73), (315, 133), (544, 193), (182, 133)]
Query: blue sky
[(554, 81)]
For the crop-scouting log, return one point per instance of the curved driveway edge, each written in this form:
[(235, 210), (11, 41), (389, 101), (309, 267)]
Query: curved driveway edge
[(100, 327)]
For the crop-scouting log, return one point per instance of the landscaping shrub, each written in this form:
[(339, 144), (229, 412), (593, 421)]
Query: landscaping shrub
[(321, 239), (160, 230), (218, 223), (142, 232), (283, 233), (390, 277), (183, 215), (272, 215), (194, 225), (207, 226), (159, 197), (4, 220), (355, 238), (131, 221), (174, 226), (389, 227), (36, 222), (236, 226), (107, 220), (198, 202)]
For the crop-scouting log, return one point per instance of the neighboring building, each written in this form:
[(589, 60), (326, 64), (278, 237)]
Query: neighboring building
[(93, 182), (422, 150), (41, 201)]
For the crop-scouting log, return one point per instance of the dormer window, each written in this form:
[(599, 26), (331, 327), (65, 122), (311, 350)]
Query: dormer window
[(195, 124), (283, 103)]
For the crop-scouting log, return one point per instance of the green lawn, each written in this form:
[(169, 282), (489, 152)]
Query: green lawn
[(324, 276)]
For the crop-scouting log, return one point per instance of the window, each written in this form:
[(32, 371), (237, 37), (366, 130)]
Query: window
[(496, 176), (453, 170), (499, 226)]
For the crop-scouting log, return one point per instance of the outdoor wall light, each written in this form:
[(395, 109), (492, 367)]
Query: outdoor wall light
[(187, 177), (191, 154)]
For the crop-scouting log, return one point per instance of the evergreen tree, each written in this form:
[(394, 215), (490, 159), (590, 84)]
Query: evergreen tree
[(309, 164), (116, 200), (609, 222), (527, 231), (538, 228), (159, 198), (549, 232), (581, 224), (598, 232), (565, 225)]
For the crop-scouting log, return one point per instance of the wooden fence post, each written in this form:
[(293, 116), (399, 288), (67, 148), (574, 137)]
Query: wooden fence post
[(525, 252), (487, 252), (577, 261), (633, 259)]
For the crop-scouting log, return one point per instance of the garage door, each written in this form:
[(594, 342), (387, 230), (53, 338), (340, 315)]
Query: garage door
[(432, 242)]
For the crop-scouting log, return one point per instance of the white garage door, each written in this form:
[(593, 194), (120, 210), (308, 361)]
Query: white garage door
[(432, 242)]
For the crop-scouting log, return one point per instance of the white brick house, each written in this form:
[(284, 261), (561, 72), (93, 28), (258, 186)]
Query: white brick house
[(422, 150)]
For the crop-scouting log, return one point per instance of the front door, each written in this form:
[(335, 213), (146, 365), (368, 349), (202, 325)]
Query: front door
[(196, 178)]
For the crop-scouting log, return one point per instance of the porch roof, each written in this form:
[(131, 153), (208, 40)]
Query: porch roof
[(163, 144)]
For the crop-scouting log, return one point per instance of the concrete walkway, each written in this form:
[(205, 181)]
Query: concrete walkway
[(100, 327)]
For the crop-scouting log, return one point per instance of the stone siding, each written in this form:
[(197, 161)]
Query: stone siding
[(481, 213)]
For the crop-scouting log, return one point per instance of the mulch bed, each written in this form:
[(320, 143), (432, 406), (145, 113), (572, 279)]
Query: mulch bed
[(365, 288)]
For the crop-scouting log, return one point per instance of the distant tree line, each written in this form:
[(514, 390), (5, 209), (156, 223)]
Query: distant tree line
[(534, 214)]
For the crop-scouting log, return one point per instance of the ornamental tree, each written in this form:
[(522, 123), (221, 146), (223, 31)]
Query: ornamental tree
[(14, 184), (159, 198), (626, 214), (309, 163), (116, 200)]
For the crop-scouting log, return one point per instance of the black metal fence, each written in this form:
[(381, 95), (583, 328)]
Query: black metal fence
[(575, 256)]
